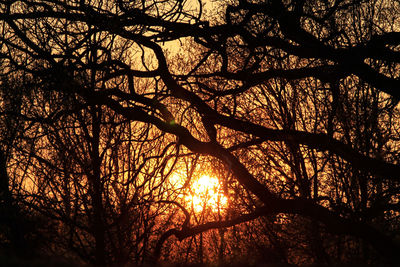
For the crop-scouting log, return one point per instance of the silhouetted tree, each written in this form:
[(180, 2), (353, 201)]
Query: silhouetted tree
[(297, 100)]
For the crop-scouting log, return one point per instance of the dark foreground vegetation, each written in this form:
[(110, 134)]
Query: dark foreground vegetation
[(111, 110)]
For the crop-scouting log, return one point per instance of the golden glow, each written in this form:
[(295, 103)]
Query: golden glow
[(206, 193), (203, 193)]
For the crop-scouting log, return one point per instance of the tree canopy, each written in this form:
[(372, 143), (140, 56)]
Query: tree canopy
[(111, 110)]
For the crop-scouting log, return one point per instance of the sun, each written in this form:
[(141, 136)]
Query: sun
[(206, 193)]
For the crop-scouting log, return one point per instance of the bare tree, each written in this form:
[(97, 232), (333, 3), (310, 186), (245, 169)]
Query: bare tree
[(283, 93)]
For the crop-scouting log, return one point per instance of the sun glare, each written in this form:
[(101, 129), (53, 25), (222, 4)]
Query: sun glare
[(206, 193)]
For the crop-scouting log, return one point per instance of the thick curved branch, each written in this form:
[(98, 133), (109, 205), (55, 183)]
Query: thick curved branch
[(317, 141), (186, 232), (334, 223)]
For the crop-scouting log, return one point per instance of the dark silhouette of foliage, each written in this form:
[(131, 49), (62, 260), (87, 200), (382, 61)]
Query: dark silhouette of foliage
[(293, 105)]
